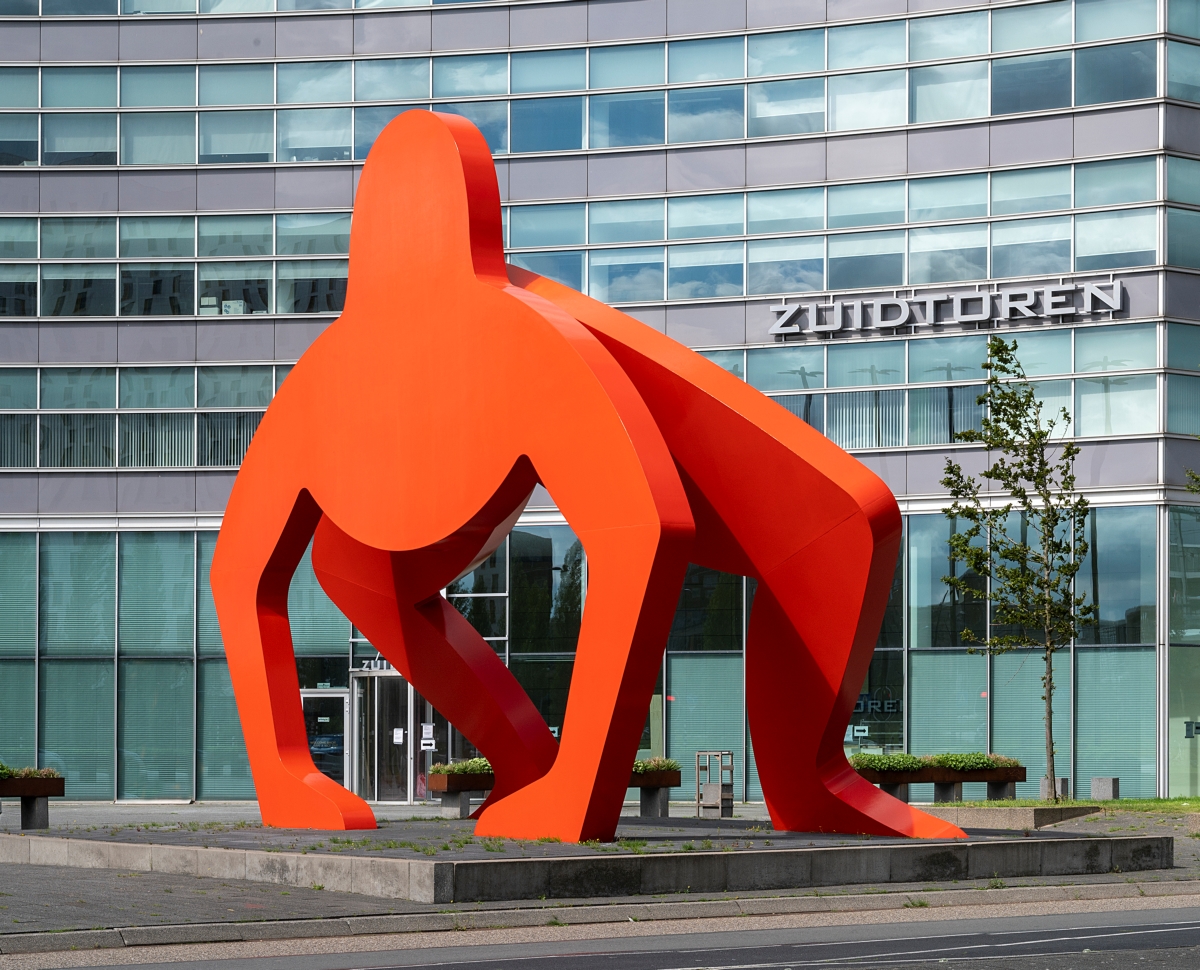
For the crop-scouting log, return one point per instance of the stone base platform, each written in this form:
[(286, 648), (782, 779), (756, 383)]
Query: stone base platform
[(1012, 819)]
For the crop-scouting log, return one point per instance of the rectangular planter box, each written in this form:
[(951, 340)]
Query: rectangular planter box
[(941, 776), (32, 787), (460, 782), (656, 779)]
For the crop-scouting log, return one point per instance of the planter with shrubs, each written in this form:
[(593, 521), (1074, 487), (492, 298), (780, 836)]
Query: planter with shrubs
[(893, 773), (33, 786), (655, 777)]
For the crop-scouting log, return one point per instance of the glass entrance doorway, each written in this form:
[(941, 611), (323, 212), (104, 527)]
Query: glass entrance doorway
[(397, 737), (325, 717)]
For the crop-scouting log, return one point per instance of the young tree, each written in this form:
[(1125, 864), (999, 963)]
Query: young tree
[(1031, 567)]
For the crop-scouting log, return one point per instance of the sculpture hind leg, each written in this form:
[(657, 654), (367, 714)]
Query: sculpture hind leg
[(439, 652)]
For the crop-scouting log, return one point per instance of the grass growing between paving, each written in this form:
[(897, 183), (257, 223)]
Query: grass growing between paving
[(1167, 806)]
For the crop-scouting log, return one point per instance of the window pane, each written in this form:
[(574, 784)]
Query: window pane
[(235, 236), (704, 215), (786, 265), (865, 419), (619, 120), (809, 408), (1183, 404), (706, 713), (1115, 721), (369, 122), (1105, 240), (872, 362), (937, 415), (867, 100), (937, 614), (18, 139), (77, 596), (1018, 713), (627, 66), (222, 438), (546, 593), (156, 573), (1121, 180), (79, 8), (546, 225), (235, 288), (158, 289), (1118, 575), (81, 238), (868, 204), (1183, 180), (730, 360), (162, 237), (18, 388), (787, 52), (943, 359), (947, 253), (709, 613), (154, 729), (155, 441), (77, 739), (246, 386), (548, 71), (237, 84), (79, 289), (865, 45), (222, 766), (1183, 17), (705, 114), (1042, 25), (310, 83), (951, 197), (547, 124), (1115, 348), (312, 286), (236, 136), (1044, 351), (785, 210), (1116, 405), (158, 138), (949, 92), (714, 59), (18, 291), (1183, 351), (79, 387), (314, 134), (312, 233), (18, 238), (318, 627), (79, 139), (785, 368), (79, 87), (953, 35), (77, 440), (1101, 19), (1031, 247), (1120, 72), (565, 268), (157, 387), (786, 107), (490, 117), (1032, 83), (866, 259), (159, 86), (620, 275), (631, 221), (1183, 238), (394, 78), (475, 74), (19, 86), (18, 596), (704, 271)]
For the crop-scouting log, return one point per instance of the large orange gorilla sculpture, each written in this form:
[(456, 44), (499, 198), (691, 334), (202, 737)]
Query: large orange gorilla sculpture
[(408, 439)]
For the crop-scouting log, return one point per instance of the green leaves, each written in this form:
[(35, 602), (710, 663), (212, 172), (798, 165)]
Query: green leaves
[(655, 764), (472, 766), (971, 761)]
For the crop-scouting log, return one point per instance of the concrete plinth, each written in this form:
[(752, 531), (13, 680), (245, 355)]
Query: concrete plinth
[(35, 812), (1106, 789), (1001, 791), (457, 804), (1063, 786), (655, 802), (947, 791), (896, 791)]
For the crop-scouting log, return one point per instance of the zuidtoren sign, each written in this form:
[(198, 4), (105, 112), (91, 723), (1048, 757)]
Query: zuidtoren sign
[(1028, 302)]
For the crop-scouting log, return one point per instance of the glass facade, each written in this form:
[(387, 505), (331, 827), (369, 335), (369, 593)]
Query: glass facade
[(838, 212)]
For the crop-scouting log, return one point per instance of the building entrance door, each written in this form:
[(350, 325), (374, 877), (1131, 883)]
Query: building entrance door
[(325, 718)]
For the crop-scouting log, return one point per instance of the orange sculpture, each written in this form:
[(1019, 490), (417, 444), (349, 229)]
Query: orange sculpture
[(408, 439)]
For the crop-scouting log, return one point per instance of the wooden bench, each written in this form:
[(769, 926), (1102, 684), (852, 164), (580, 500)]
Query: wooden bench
[(34, 794), (947, 782)]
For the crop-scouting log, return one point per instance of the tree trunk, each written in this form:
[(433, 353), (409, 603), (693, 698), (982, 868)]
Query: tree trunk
[(1048, 696)]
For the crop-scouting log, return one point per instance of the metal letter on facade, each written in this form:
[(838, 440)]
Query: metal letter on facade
[(405, 454)]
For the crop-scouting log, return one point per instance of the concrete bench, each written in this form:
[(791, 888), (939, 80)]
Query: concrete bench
[(34, 794)]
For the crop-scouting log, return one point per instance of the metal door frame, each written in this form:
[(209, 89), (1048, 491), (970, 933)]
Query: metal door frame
[(372, 677), (347, 725)]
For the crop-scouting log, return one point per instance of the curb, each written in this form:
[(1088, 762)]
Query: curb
[(606, 876), (185, 933)]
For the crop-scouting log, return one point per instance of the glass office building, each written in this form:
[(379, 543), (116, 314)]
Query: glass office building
[(837, 200)]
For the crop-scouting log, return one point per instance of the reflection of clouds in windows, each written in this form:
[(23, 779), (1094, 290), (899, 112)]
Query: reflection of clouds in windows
[(787, 276), (705, 114)]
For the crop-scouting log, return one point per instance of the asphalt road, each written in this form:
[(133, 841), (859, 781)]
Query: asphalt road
[(1168, 939)]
